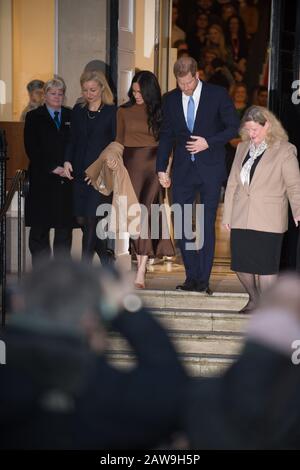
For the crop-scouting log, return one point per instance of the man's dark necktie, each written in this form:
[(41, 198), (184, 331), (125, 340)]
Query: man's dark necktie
[(56, 119)]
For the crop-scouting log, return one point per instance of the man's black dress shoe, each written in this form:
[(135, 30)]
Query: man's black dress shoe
[(201, 287), (189, 285)]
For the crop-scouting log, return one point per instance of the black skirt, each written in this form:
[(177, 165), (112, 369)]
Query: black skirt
[(255, 252)]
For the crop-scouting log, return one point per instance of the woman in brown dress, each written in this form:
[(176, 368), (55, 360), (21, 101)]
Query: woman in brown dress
[(138, 125)]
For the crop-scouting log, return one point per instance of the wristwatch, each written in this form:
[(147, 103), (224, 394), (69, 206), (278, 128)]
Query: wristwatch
[(130, 302)]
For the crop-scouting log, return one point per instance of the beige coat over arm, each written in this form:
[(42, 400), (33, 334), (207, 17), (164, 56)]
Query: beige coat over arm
[(117, 181), (263, 205)]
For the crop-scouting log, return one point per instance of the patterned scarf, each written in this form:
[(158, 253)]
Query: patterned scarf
[(254, 152)]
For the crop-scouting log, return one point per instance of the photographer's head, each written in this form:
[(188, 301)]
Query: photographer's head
[(61, 296)]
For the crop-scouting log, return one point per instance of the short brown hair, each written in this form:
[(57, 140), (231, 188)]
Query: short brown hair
[(55, 83), (184, 65)]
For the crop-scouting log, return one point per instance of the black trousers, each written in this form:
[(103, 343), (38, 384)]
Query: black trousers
[(91, 243), (39, 242)]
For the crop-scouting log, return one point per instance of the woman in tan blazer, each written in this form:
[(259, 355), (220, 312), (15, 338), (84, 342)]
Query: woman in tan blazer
[(264, 178)]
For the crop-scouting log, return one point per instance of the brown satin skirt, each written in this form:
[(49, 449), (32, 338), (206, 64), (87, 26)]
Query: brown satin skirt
[(140, 163)]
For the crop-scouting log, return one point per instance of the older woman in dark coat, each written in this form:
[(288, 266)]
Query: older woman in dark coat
[(49, 202), (93, 127)]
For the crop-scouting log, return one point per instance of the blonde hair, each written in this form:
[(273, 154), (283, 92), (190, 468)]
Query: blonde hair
[(261, 115), (98, 77), (220, 46)]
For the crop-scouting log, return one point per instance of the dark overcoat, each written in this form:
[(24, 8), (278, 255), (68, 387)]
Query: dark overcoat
[(49, 201)]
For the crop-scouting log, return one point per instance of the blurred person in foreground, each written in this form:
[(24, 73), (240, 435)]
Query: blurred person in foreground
[(264, 178), (58, 390), (254, 404)]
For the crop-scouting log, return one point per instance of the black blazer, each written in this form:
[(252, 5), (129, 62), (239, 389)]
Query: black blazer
[(88, 139), (216, 121), (49, 202)]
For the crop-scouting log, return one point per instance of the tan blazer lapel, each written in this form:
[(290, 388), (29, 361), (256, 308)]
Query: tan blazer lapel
[(268, 155)]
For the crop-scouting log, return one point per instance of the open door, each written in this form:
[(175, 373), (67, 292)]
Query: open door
[(126, 48)]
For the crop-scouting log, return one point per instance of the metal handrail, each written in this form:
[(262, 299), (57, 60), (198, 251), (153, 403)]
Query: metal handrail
[(16, 185)]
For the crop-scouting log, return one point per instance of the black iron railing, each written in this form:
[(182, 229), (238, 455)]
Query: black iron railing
[(17, 185)]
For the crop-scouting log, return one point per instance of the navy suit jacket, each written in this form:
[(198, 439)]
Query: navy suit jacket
[(216, 120)]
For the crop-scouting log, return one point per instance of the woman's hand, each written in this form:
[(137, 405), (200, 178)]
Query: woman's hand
[(68, 170), (164, 179), (112, 163), (88, 180), (60, 171), (297, 220), (227, 226)]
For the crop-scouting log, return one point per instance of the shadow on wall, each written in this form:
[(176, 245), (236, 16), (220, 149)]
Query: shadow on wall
[(101, 66)]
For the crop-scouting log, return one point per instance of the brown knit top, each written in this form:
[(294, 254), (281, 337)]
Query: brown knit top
[(132, 127)]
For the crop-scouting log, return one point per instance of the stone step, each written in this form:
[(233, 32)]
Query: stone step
[(206, 330), (201, 320), (197, 365), (220, 301), (200, 342)]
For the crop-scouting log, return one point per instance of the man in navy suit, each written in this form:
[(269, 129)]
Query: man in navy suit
[(198, 120)]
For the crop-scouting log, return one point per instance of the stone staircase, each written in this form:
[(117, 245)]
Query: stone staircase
[(206, 330)]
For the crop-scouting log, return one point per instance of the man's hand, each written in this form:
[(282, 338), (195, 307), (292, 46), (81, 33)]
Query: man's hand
[(227, 226), (164, 179), (198, 144)]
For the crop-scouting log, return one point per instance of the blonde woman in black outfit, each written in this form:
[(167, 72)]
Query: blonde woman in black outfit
[(93, 127)]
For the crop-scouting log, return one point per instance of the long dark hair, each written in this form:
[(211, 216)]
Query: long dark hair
[(151, 94)]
